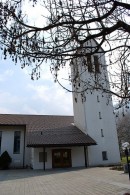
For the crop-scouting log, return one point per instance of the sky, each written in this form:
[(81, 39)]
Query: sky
[(20, 95)]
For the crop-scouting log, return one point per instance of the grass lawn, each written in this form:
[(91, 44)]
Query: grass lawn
[(120, 167), (123, 161)]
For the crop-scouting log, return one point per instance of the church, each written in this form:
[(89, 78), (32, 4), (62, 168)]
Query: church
[(87, 139)]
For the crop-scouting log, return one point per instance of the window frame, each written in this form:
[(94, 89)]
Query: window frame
[(89, 63), (102, 134), (104, 155), (96, 64), (98, 99), (100, 115), (17, 142)]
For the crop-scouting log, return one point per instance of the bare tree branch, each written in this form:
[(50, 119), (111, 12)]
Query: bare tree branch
[(66, 36)]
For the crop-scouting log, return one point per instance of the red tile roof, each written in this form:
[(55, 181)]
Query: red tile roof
[(48, 130)]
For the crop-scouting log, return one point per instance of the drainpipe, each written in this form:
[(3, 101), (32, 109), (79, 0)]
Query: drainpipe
[(86, 149), (44, 158), (85, 156), (24, 147), (85, 118)]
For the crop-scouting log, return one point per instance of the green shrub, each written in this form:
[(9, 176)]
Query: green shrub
[(124, 161), (5, 160)]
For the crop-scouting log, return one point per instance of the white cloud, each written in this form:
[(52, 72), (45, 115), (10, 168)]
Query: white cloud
[(54, 99), (29, 110), (44, 72), (10, 103), (4, 110), (36, 14), (19, 94), (6, 74), (36, 99)]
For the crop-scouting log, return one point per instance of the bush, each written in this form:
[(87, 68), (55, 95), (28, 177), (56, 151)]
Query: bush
[(5, 160), (118, 168)]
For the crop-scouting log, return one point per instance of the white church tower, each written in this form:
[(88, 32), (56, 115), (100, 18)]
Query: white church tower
[(93, 109)]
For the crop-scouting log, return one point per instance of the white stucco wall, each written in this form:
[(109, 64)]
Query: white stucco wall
[(78, 159), (35, 158), (94, 125), (7, 144), (77, 156), (86, 117)]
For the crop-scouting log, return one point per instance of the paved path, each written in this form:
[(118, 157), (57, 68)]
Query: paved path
[(92, 181)]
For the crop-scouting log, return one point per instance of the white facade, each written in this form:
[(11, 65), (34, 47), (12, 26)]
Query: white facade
[(94, 115), (77, 157), (29, 157), (21, 159)]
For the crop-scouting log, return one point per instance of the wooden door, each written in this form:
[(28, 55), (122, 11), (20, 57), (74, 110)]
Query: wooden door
[(61, 158)]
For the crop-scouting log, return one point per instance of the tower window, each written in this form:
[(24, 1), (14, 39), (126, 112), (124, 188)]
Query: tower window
[(104, 155), (100, 117), (89, 63), (98, 99), (96, 64), (17, 135), (102, 135)]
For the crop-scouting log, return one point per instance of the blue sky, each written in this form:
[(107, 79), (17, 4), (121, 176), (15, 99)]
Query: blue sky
[(20, 95)]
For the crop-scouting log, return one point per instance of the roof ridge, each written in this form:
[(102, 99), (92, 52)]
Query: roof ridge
[(37, 115)]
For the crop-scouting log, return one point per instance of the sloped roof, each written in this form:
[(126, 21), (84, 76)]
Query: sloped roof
[(69, 135), (48, 130), (36, 122)]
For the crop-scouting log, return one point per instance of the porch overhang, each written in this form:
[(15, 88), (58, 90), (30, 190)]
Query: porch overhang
[(63, 137), (57, 145)]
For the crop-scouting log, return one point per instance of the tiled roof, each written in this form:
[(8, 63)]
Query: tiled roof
[(36, 122), (48, 130), (69, 135)]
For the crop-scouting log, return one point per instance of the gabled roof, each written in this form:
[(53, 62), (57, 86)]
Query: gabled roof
[(48, 130)]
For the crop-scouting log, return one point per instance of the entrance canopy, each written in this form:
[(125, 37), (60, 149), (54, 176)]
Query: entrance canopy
[(65, 136)]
